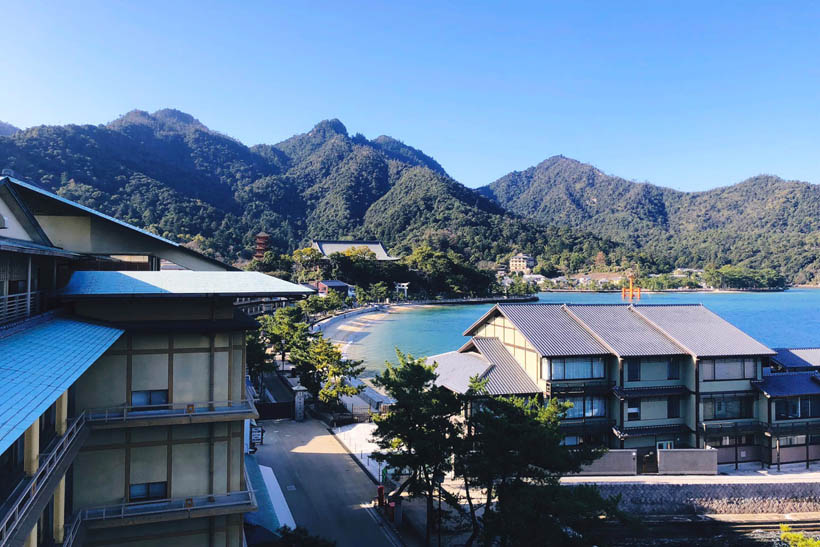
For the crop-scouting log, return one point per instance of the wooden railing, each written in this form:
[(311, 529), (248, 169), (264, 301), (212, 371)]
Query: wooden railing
[(16, 307), (25, 494)]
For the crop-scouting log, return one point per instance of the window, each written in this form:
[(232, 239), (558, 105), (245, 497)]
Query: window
[(673, 407), (577, 410), (147, 491), (577, 368), (797, 407), (571, 440), (673, 370), (633, 370), (595, 407), (728, 369), (793, 440), (633, 411), (149, 399), (545, 368), (728, 408)]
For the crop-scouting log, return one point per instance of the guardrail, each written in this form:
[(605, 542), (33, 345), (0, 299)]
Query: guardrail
[(72, 531), (15, 307), (186, 505), (30, 487), (124, 413)]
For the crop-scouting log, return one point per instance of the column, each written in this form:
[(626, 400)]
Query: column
[(31, 447), (59, 511), (62, 414), (31, 540), (28, 288)]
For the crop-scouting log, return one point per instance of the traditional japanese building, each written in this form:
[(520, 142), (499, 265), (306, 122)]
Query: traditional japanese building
[(644, 377), (327, 247), (122, 388)]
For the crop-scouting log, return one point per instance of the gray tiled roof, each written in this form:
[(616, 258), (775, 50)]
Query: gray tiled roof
[(178, 283), (701, 331), (455, 369), (787, 384), (625, 331), (551, 330), (797, 357), (506, 377), (328, 247), (39, 362)]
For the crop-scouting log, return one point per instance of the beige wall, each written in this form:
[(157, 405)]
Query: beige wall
[(518, 346), (13, 227), (180, 363), (180, 454)]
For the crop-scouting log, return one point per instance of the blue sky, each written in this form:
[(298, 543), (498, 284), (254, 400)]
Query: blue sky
[(682, 94)]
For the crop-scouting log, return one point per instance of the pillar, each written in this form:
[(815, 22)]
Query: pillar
[(31, 540), (28, 288), (299, 403), (62, 414), (59, 511), (31, 447)]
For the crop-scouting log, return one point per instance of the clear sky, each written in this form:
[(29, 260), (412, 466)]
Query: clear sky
[(682, 94)]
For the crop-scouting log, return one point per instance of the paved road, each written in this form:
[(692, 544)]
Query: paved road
[(327, 492)]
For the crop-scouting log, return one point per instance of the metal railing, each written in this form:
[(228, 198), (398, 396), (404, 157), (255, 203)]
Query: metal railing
[(186, 506), (30, 487), (16, 307), (124, 413), (72, 531)]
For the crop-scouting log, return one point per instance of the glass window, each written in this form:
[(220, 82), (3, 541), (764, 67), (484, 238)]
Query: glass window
[(633, 412), (578, 368), (728, 369), (707, 369), (728, 408), (557, 369), (750, 368), (633, 369), (571, 440), (673, 407), (147, 491), (673, 370), (140, 398), (545, 368), (156, 490), (138, 492), (577, 410), (598, 368), (815, 406), (155, 398), (595, 407)]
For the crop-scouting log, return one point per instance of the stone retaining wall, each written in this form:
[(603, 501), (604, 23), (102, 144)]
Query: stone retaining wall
[(670, 499)]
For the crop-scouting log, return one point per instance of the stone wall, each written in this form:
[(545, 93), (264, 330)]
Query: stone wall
[(688, 461), (681, 498), (614, 462)]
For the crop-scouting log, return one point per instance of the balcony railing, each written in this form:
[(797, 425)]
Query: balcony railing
[(130, 413), (172, 508), (24, 496), (16, 307)]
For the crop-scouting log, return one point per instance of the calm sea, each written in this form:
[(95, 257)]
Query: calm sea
[(781, 319)]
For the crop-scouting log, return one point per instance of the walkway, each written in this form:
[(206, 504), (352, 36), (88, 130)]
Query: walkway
[(326, 490)]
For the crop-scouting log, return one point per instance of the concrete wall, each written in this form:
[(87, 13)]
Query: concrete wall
[(614, 462), (726, 454), (688, 499), (112, 460), (687, 461)]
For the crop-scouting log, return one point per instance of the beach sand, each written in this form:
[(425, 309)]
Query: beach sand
[(349, 331)]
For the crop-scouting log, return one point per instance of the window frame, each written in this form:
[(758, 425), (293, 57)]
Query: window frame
[(748, 365), (157, 399), (150, 495), (555, 375), (633, 408)]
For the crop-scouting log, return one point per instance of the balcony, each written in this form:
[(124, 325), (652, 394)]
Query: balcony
[(17, 307), (27, 501), (563, 388), (172, 413), (144, 512)]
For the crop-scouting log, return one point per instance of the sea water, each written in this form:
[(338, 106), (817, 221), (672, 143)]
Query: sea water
[(778, 319)]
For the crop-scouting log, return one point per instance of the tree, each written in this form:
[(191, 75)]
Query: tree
[(307, 264), (255, 356), (312, 305), (418, 433), (324, 372), (379, 291), (796, 539), (511, 450), (285, 330)]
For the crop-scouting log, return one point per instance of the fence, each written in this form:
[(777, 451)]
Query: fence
[(275, 411)]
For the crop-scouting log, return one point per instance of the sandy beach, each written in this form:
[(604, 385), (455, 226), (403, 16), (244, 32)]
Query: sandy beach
[(349, 331)]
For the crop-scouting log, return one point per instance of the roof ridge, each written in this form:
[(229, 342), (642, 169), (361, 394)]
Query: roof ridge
[(662, 331), (589, 329)]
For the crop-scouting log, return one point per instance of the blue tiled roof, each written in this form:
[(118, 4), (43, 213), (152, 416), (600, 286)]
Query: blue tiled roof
[(789, 384), (798, 358), (178, 283), (38, 363)]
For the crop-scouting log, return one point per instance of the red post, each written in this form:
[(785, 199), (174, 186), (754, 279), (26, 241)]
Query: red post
[(381, 495)]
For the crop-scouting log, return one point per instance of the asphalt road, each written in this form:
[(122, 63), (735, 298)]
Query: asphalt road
[(327, 492)]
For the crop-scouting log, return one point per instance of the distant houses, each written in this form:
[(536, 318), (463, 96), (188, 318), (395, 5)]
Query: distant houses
[(327, 247), (324, 287), (648, 377)]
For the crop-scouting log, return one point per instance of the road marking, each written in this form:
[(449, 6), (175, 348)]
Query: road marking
[(394, 540)]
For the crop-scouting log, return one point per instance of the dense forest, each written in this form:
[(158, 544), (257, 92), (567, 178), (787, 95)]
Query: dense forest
[(169, 173), (763, 222)]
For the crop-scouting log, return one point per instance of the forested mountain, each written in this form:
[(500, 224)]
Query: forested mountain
[(168, 172), (7, 129), (764, 221)]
